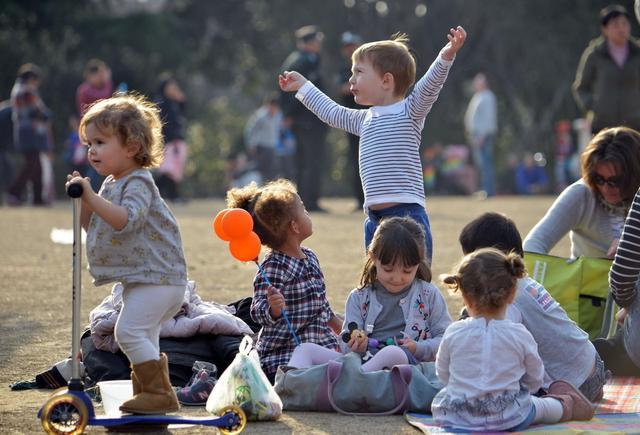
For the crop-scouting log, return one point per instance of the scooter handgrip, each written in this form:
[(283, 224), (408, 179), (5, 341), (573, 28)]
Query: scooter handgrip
[(75, 190)]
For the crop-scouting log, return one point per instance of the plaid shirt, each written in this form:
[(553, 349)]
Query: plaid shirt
[(302, 285)]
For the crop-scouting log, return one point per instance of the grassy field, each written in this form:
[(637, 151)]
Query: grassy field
[(35, 313)]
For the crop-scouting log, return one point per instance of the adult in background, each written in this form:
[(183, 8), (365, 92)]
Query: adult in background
[(607, 84), (350, 42), (531, 177), (481, 126), (6, 147), (171, 101), (31, 133), (310, 131), (261, 136), (97, 85), (592, 210)]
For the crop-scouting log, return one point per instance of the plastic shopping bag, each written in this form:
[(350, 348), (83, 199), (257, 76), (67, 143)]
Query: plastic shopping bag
[(244, 384)]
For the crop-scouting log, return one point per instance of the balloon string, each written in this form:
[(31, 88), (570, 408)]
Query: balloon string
[(284, 312)]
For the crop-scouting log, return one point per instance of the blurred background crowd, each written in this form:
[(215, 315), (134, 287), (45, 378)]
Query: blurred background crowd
[(509, 121)]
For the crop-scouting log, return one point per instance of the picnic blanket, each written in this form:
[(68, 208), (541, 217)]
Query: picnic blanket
[(621, 395), (617, 413)]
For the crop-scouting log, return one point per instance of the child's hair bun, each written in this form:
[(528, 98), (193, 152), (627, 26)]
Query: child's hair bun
[(242, 197), (452, 281), (515, 265)]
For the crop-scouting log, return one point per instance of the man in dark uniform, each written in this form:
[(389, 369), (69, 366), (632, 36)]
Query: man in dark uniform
[(350, 42), (310, 132)]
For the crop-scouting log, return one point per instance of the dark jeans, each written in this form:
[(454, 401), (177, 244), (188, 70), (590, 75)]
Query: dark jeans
[(614, 355), (6, 172), (483, 158), (31, 171), (266, 159), (167, 187), (310, 156)]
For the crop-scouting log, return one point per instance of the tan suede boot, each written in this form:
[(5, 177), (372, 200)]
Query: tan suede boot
[(137, 389), (575, 406), (157, 396)]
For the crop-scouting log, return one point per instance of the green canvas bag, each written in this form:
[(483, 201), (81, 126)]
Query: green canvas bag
[(581, 286)]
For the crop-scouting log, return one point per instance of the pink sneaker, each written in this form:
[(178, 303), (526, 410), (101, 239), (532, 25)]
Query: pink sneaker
[(197, 391)]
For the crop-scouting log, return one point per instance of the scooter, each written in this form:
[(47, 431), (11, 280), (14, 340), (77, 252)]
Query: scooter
[(69, 410)]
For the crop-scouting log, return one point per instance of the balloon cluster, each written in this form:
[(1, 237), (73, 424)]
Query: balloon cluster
[(235, 225)]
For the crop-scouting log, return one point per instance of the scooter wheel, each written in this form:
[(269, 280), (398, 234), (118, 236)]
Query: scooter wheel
[(233, 428), (64, 414)]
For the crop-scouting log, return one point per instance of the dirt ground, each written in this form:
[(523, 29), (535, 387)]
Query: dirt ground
[(35, 313)]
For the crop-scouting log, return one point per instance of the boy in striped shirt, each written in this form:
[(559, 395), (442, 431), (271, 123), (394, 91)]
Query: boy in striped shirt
[(389, 130)]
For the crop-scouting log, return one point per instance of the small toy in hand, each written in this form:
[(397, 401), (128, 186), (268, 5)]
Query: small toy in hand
[(354, 332)]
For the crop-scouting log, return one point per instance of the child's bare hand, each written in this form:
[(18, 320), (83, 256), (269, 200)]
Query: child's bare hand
[(85, 182), (409, 343), (291, 81), (275, 301), (456, 39), (358, 343)]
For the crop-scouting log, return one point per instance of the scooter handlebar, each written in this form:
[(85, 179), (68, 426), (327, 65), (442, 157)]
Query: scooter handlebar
[(75, 190)]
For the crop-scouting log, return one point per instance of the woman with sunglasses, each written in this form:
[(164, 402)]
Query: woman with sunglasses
[(592, 210)]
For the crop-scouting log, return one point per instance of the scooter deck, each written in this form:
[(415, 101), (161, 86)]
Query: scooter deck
[(227, 420)]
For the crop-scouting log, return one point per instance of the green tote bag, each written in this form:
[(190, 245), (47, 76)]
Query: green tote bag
[(579, 285)]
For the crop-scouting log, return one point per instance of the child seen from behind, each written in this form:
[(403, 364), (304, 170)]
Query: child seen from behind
[(395, 304), (390, 130), (565, 349), (489, 365), (297, 283), (133, 238)]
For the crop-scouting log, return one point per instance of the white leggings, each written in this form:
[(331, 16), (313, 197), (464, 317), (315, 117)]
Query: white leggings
[(144, 308), (310, 354)]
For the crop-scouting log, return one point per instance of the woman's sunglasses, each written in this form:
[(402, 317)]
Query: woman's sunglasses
[(612, 182)]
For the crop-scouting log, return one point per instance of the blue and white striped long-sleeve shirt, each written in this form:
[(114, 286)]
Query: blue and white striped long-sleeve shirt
[(625, 269), (390, 166)]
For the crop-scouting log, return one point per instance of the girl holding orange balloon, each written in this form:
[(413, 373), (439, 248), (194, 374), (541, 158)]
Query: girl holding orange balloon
[(290, 277)]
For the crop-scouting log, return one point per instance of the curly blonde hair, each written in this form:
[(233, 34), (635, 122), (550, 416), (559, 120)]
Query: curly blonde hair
[(390, 56), (134, 119), (487, 277), (272, 207)]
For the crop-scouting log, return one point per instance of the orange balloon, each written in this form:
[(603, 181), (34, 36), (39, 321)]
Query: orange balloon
[(237, 223), (246, 248), (217, 225)]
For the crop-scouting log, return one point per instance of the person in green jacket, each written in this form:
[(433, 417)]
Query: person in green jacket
[(607, 84)]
